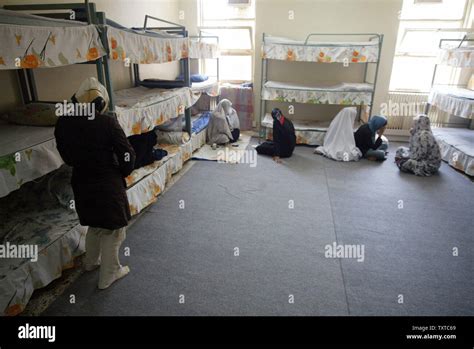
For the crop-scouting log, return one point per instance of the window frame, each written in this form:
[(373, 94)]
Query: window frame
[(204, 29)]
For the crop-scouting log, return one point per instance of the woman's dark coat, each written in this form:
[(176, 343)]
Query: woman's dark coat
[(101, 157)]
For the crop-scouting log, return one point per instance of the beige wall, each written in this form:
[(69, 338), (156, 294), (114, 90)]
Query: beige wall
[(61, 83), (325, 16)]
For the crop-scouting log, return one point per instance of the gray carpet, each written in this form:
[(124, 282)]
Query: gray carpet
[(190, 252)]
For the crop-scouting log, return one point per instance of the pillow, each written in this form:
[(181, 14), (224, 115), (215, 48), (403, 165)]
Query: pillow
[(175, 124), (33, 114), (172, 137), (199, 78)]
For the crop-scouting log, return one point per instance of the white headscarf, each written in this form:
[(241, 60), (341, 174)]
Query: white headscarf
[(225, 107), (89, 90), (339, 143)]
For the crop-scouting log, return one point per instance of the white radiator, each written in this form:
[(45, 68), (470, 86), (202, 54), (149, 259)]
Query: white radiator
[(402, 107)]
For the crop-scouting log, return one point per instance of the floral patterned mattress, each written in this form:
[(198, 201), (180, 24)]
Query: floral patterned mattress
[(136, 47), (30, 41), (342, 93), (203, 50), (457, 57), (321, 52), (26, 153), (141, 109), (39, 213)]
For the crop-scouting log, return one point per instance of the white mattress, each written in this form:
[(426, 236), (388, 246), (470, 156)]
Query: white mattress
[(14, 138), (454, 100), (342, 93), (26, 153), (210, 86), (457, 147), (344, 86)]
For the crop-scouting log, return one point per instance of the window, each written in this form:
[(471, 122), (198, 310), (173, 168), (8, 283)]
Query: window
[(422, 25), (234, 25)]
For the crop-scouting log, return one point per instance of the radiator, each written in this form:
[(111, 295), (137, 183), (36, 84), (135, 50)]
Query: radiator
[(402, 107)]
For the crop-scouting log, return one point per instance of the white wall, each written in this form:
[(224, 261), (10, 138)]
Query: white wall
[(325, 16), (61, 83)]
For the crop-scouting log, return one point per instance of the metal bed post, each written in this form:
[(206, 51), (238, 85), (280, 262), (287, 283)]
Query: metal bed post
[(187, 82), (263, 103), (435, 70), (105, 60), (184, 63), (380, 38), (26, 76)]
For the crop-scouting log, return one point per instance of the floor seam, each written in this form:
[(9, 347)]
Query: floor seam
[(337, 241)]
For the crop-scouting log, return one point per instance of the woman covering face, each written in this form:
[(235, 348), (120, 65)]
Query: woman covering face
[(423, 157)]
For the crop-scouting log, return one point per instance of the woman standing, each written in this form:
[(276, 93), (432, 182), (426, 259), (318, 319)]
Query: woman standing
[(101, 156), (423, 158)]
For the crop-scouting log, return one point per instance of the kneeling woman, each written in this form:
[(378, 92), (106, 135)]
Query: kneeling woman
[(284, 138), (100, 156), (423, 158), (365, 139)]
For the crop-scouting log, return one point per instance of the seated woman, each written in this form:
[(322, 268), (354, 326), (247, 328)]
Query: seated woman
[(339, 143), (144, 146), (219, 130), (232, 118), (423, 158), (365, 139), (284, 138)]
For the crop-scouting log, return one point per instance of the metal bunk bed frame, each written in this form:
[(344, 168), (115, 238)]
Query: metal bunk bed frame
[(264, 73), (214, 37), (461, 41), (173, 28), (85, 12)]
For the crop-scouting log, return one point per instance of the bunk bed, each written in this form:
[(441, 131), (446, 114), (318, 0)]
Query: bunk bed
[(153, 103), (324, 52), (35, 192), (457, 144), (200, 49), (37, 207)]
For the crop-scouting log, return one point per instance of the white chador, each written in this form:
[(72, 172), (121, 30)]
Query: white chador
[(339, 143)]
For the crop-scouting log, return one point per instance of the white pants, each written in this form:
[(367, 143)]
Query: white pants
[(102, 247)]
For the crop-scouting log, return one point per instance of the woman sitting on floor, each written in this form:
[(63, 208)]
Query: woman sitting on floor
[(423, 158), (225, 106), (219, 130), (284, 138), (339, 143), (372, 149)]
